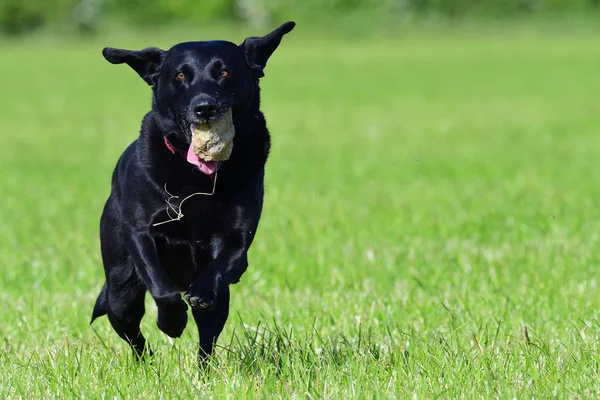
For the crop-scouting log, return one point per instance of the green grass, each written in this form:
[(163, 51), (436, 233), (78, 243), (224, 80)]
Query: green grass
[(431, 223)]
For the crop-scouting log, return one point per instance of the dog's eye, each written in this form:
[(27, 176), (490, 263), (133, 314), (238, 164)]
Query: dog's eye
[(180, 76), (224, 73)]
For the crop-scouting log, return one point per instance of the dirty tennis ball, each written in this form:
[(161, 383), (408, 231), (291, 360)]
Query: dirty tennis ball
[(214, 141)]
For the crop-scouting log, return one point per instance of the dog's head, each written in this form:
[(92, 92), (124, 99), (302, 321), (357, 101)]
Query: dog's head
[(198, 82)]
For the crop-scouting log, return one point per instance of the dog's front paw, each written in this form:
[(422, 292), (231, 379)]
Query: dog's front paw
[(172, 318), (202, 294)]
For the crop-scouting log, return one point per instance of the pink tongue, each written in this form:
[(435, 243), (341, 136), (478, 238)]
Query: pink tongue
[(208, 167)]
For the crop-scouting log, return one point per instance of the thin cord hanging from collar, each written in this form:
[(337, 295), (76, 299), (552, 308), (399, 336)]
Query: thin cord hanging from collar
[(177, 211)]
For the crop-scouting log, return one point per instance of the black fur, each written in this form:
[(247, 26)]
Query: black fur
[(206, 250)]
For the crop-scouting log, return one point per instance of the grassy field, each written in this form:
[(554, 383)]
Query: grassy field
[(431, 223)]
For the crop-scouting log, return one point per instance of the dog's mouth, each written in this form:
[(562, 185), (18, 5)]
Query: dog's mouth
[(207, 167), (212, 142)]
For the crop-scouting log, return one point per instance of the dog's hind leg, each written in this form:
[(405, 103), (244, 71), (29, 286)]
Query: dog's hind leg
[(125, 309), (211, 323)]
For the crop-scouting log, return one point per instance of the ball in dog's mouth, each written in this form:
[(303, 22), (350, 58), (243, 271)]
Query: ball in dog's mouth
[(211, 143)]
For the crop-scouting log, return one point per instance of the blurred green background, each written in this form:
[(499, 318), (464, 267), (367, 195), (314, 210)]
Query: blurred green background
[(432, 211), (18, 17)]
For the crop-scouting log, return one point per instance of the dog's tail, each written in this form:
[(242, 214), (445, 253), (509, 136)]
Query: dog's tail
[(100, 306)]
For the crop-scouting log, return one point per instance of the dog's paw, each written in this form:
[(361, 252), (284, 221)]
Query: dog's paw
[(172, 318), (202, 295), (202, 302)]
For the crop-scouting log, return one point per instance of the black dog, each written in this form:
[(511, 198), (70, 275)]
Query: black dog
[(204, 249)]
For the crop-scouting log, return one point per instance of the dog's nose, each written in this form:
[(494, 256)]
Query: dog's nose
[(206, 108)]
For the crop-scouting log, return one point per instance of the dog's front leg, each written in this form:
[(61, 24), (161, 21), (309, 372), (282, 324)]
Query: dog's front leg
[(225, 269), (209, 295), (172, 310)]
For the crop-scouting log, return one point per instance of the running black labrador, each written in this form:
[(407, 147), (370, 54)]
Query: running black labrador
[(150, 245)]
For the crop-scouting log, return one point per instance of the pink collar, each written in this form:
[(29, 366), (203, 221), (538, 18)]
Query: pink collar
[(170, 146)]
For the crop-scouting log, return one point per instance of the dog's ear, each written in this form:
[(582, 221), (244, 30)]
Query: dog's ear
[(145, 62), (258, 49)]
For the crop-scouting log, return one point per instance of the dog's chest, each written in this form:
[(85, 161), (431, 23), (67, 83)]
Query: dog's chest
[(185, 245), (191, 218)]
